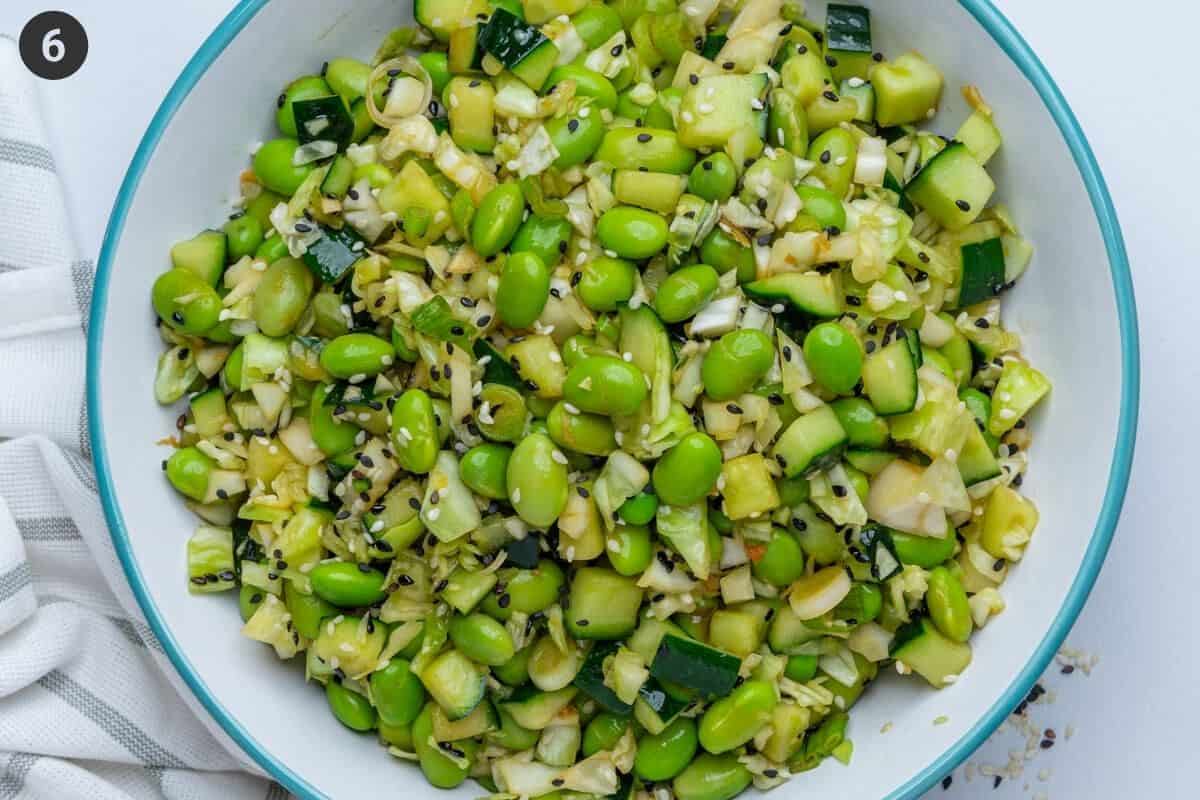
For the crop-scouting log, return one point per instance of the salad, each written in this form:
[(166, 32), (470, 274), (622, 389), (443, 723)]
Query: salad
[(597, 396)]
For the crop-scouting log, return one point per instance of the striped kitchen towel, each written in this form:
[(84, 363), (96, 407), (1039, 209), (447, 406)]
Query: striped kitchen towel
[(89, 705)]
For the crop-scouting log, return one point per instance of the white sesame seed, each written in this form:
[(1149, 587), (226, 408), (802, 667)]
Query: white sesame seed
[(585, 112), (705, 108), (840, 161), (570, 408), (555, 357), (777, 308), (377, 526), (484, 361), (628, 357), (433, 514), (558, 456), (687, 116), (516, 495), (406, 434)]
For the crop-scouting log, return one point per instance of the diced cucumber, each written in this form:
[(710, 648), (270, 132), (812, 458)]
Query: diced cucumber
[(980, 135), (982, 271), (604, 605), (629, 148), (323, 119), (719, 105), (890, 375), (464, 53), (471, 108), (480, 721), (519, 46), (814, 441), (871, 462), (862, 93), (695, 665), (339, 178), (656, 707), (465, 589), (210, 560), (443, 17), (906, 90), (203, 255), (455, 683), (208, 412), (952, 187), (534, 710), (930, 654), (811, 292), (976, 462), (590, 679), (1019, 389), (330, 256), (539, 11), (848, 40)]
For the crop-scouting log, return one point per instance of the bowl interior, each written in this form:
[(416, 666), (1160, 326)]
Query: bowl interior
[(1065, 308)]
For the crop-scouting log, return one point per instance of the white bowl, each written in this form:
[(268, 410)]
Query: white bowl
[(1075, 308)]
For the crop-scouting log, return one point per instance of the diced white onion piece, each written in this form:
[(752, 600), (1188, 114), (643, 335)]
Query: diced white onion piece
[(871, 165)]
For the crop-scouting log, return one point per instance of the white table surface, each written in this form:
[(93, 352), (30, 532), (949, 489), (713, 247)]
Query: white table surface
[(1134, 717)]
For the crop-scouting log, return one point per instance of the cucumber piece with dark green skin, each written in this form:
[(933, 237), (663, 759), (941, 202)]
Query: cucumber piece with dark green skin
[(848, 40), (339, 178), (523, 553), (209, 413), (464, 53), (519, 46), (891, 182), (590, 679), (890, 375), (814, 441), (810, 292), (603, 604), (533, 709), (930, 654), (203, 255), (497, 370), (982, 271), (455, 683), (976, 463), (657, 707), (713, 44), (324, 119), (695, 665), (334, 253), (952, 187)]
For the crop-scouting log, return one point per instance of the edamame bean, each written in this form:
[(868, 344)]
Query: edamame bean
[(347, 585), (545, 237), (685, 292), (523, 290), (714, 178), (948, 607), (783, 560), (357, 354), (863, 426), (575, 138), (588, 83), (484, 469), (653, 148), (396, 735), (688, 471), (438, 67), (308, 611), (639, 509), (801, 668), (792, 491), (632, 232), (629, 549), (328, 321), (590, 434), (603, 732), (414, 432), (398, 693), (596, 24), (725, 253), (185, 302), (496, 220), (515, 671), (735, 363), (605, 385), (712, 777), (528, 591), (606, 283), (537, 480), (351, 708), (787, 124), (243, 235), (281, 296), (923, 551), (862, 604), (271, 250), (823, 210), (440, 769), (511, 735), (502, 413), (348, 78), (308, 87), (663, 756), (332, 436), (834, 357), (273, 164), (189, 470), (482, 639), (734, 720), (834, 152), (579, 347)]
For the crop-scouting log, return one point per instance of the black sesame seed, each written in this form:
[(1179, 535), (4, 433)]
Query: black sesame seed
[(281, 100), (727, 65), (999, 565), (583, 623), (573, 125), (583, 492), (414, 503), (996, 779), (616, 51), (830, 96), (831, 61), (644, 137), (504, 600), (734, 408), (826, 157), (1047, 744), (558, 782), (946, 781), (851, 300), (963, 205), (222, 494), (775, 399), (693, 79), (982, 323), (877, 57), (177, 317), (708, 165), (869, 347), (484, 320), (352, 194), (801, 49), (405, 580)]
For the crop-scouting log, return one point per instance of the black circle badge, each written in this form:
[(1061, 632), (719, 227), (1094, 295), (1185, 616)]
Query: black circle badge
[(53, 45)]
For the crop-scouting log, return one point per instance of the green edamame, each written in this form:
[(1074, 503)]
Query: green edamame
[(484, 469), (714, 178), (185, 302), (271, 250), (735, 363), (632, 232), (497, 219), (189, 471), (923, 551), (862, 604), (482, 639), (347, 585), (688, 471), (276, 169), (502, 413), (523, 290), (348, 78), (439, 767), (864, 428), (596, 23), (685, 292), (528, 590), (823, 210), (308, 611), (515, 671), (332, 436), (629, 549), (415, 432), (357, 354), (603, 732), (545, 237), (834, 357), (948, 607), (662, 756), (834, 152), (512, 735), (590, 434), (588, 83), (783, 560), (438, 67), (639, 509), (243, 235), (398, 693), (605, 385), (308, 87), (281, 296), (606, 282), (575, 138), (537, 480), (725, 253), (734, 720), (396, 735), (351, 708), (712, 777)]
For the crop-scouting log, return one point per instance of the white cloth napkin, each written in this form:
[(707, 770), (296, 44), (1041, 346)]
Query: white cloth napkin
[(89, 705)]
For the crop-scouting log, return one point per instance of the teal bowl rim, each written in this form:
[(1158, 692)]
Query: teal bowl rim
[(1002, 31)]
